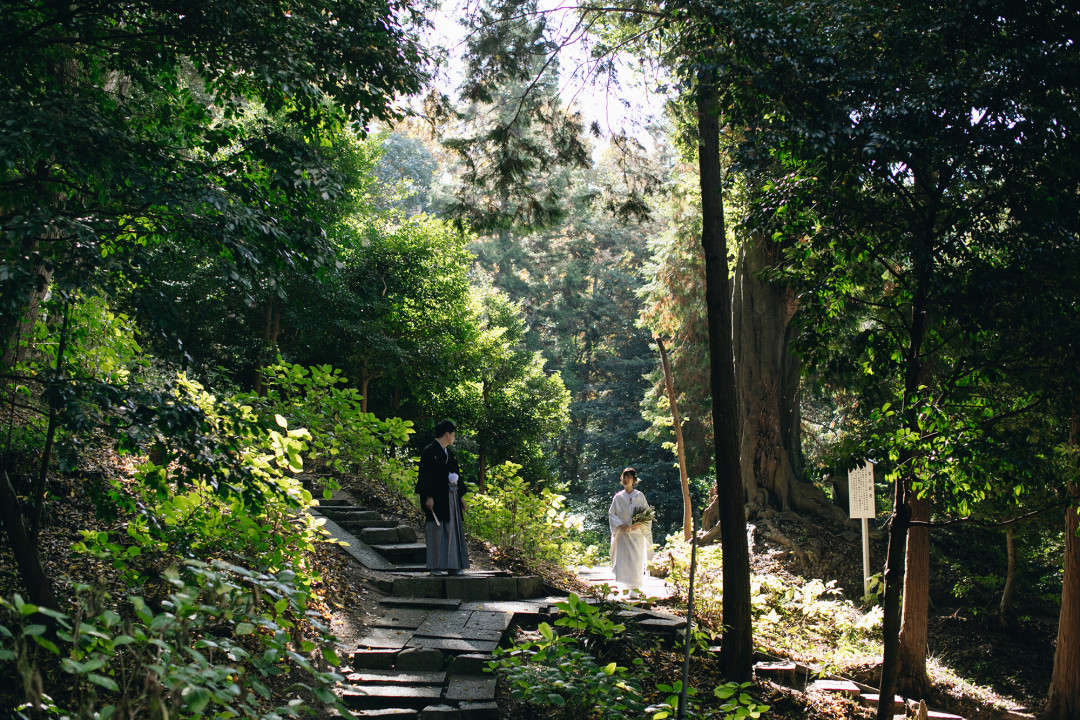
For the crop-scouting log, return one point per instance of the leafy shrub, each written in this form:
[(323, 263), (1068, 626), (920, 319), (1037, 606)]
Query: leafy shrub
[(172, 512), (344, 438), (554, 671), (515, 517), (209, 650)]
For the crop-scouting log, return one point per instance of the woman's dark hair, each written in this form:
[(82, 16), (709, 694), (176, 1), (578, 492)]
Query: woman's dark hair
[(632, 471), (443, 427)]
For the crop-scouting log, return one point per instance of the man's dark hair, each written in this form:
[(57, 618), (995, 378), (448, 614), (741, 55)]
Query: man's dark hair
[(445, 426)]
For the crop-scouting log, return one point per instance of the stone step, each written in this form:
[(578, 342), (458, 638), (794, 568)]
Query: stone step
[(355, 527), (374, 658), (872, 700), (479, 711), (389, 714), (376, 536), (421, 602), (420, 659), (454, 646), (941, 715), (471, 688), (374, 697), (660, 625), (783, 671), (324, 503), (402, 552), (410, 618), (470, 663), (349, 512), (468, 587), (840, 687), (397, 677)]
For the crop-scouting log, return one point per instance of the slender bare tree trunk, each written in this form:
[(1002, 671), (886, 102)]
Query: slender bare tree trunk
[(737, 641), (916, 372), (365, 380), (50, 436), (1008, 595), (481, 471), (912, 680), (688, 519), (271, 323)]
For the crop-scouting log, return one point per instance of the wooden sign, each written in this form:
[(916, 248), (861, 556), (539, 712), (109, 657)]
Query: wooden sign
[(861, 492)]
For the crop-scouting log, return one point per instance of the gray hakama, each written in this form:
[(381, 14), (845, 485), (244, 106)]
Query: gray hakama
[(446, 548)]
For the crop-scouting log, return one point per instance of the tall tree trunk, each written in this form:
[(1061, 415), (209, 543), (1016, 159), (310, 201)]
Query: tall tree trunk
[(38, 585), (688, 519), (912, 680), (1063, 701), (768, 382), (894, 582), (737, 641), (269, 338), (1008, 594), (916, 376)]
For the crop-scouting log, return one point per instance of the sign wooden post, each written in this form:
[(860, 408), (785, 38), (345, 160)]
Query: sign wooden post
[(862, 505)]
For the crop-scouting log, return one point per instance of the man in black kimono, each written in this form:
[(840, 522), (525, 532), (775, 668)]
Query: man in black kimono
[(441, 496)]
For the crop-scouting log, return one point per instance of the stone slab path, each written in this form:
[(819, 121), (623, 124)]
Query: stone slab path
[(602, 575)]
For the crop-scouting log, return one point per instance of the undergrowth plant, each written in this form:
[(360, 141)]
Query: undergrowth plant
[(810, 619), (555, 671), (517, 517), (209, 649), (563, 670)]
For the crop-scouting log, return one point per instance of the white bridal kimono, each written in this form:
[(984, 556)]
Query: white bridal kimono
[(632, 550)]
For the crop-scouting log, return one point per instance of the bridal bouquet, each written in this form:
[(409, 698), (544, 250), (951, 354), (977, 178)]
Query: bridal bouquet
[(644, 515)]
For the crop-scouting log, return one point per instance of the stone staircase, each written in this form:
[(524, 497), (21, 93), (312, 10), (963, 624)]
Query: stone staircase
[(424, 657)]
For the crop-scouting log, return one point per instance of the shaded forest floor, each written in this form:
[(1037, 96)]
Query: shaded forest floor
[(979, 662), (979, 665)]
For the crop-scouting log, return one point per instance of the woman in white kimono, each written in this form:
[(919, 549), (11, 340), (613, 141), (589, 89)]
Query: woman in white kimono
[(631, 543)]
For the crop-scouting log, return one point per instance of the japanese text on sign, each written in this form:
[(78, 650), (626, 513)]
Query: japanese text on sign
[(861, 491)]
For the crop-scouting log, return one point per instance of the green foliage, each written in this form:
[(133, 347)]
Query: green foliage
[(170, 511), (342, 437), (100, 343), (563, 672), (522, 519), (210, 649), (737, 703), (587, 619), (555, 672), (514, 406), (669, 706)]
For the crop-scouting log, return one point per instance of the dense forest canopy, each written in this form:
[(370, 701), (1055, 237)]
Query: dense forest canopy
[(243, 237)]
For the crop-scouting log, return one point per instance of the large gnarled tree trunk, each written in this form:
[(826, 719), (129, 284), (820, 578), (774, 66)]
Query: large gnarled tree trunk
[(768, 382), (1063, 702)]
